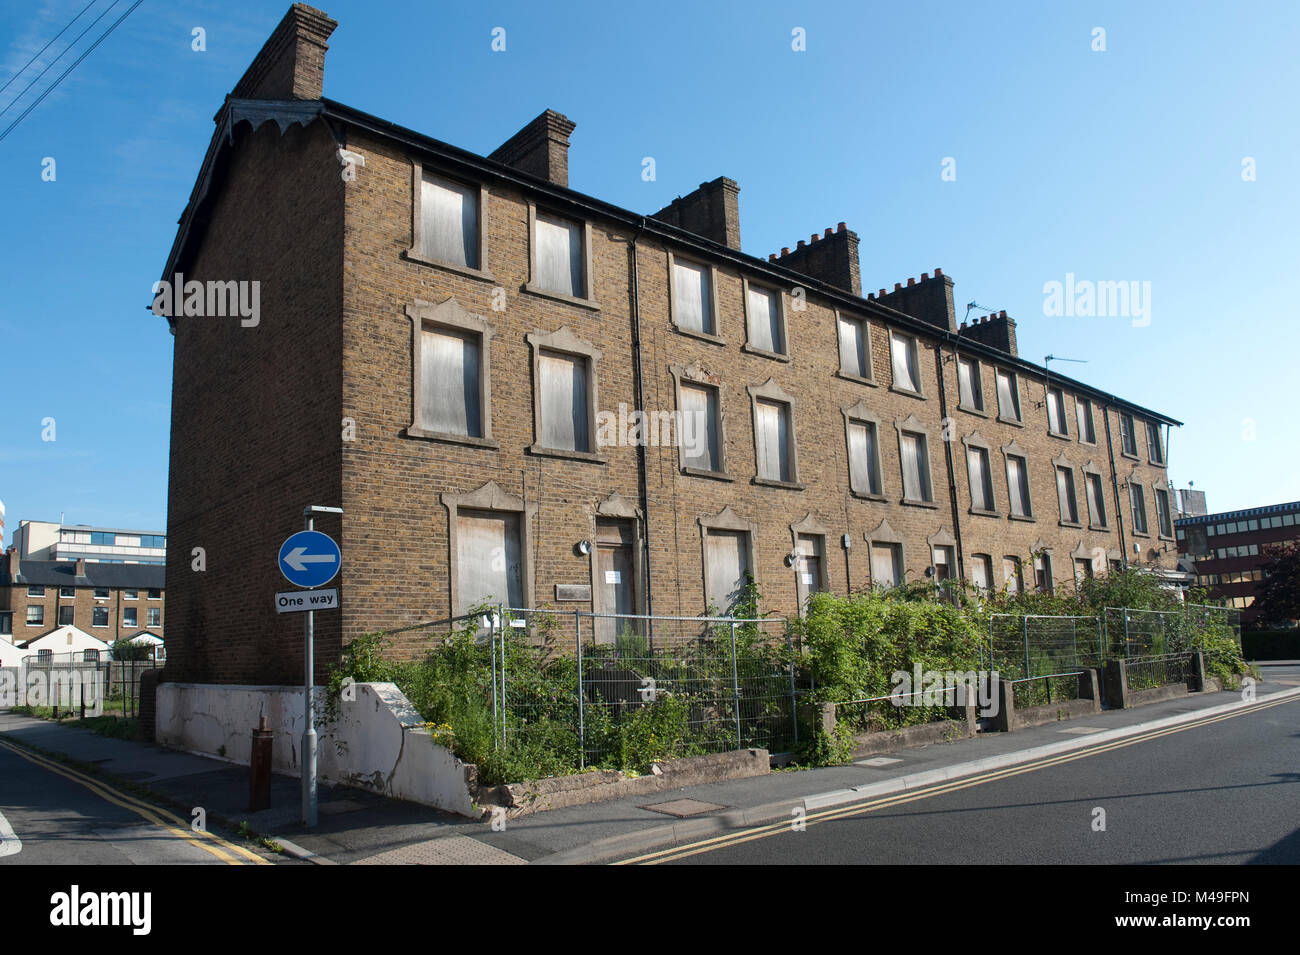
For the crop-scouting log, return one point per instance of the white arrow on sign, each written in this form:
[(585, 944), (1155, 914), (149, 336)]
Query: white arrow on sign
[(298, 558)]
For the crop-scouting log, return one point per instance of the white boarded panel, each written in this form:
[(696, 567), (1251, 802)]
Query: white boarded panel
[(489, 564), (559, 255), (563, 393), (764, 320), (699, 431), (449, 380), (692, 296), (726, 562), (773, 444), (884, 565), (449, 221), (853, 348)]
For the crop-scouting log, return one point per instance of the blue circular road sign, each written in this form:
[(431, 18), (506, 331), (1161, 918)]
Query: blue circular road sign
[(310, 559)]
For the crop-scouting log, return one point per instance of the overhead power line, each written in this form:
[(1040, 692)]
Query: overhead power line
[(42, 50), (48, 66), (49, 89)]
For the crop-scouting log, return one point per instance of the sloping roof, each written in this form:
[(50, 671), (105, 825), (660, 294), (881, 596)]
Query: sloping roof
[(285, 113), (61, 573), (79, 639)]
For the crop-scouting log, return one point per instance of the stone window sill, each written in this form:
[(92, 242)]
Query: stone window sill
[(763, 352), (487, 443), (589, 456), (413, 255), (562, 297)]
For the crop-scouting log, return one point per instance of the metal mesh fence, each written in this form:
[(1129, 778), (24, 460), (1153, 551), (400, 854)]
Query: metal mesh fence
[(66, 682), (1022, 646), (607, 688), (1143, 673)]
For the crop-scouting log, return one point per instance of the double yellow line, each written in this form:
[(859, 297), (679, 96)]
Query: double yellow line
[(862, 808), (224, 850)]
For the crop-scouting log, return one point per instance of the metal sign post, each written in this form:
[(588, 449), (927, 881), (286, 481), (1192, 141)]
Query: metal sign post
[(310, 570)]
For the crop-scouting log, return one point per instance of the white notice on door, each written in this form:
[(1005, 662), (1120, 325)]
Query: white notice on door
[(808, 579), (613, 576)]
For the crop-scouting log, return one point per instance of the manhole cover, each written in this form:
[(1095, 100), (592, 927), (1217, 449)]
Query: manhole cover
[(683, 808), (877, 761)]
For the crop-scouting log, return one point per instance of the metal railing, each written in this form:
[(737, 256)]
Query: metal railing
[(1030, 645)]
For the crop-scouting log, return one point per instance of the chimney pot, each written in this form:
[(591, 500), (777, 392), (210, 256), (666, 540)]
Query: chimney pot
[(785, 250), (772, 257), (827, 234), (1002, 314), (938, 271), (925, 276), (814, 237), (898, 286), (841, 228), (803, 245), (882, 293), (963, 323), (911, 282)]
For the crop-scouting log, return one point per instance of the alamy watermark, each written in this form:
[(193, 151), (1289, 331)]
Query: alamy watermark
[(1083, 298), (946, 688), (655, 429), (211, 299)]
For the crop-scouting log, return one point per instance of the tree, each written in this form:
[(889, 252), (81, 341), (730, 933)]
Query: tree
[(1277, 599)]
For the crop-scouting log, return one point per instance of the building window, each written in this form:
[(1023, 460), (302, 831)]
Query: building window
[(154, 617), (905, 362), (155, 593), (1155, 447), (915, 458), (1116, 565), (129, 617), (157, 541), (564, 372), (693, 296), (1008, 397), (35, 616), (36, 590), (1014, 574), (489, 558), (452, 381), (66, 616), (855, 348), (1056, 412), (559, 255), (765, 320), (1136, 495), (1082, 571), (448, 222), (981, 480), (67, 591), (1018, 486), (6, 622), (1127, 436), (99, 618), (1043, 573), (981, 571), (101, 593), (886, 564), (1065, 495), (775, 452), (1096, 500), (130, 594), (701, 443), (1083, 412), (864, 457), (942, 560), (1163, 519), (970, 389), (810, 565), (103, 539)]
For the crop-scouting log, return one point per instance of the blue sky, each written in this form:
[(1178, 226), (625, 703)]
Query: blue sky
[(1117, 165)]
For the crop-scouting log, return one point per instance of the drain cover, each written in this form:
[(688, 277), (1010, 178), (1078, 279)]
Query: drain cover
[(876, 761), (684, 808)]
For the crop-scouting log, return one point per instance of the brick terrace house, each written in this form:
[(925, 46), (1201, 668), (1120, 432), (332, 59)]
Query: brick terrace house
[(1230, 549), (108, 601), (441, 334)]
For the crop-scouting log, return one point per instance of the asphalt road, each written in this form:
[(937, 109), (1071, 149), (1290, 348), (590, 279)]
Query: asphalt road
[(52, 815), (1226, 792)]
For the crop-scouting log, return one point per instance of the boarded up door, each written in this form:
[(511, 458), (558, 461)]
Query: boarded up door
[(615, 591), (489, 565), (726, 556)]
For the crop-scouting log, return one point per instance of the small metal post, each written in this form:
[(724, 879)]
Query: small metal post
[(582, 729), (735, 680), (1126, 637), (309, 721), (503, 624), (1024, 624), (492, 646), (794, 706)]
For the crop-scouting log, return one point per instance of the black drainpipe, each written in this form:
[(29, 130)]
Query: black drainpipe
[(952, 478), (1114, 484), (638, 395)]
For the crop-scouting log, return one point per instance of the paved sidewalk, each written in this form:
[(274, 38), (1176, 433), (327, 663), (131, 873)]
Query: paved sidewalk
[(356, 826)]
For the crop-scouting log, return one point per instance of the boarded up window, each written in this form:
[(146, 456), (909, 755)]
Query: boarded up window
[(772, 432), (1162, 513), (692, 297), (981, 482), (1008, 396), (810, 565), (854, 349), (981, 571), (1155, 448), (916, 467), (1139, 508), (1128, 442), (886, 565), (449, 381), (449, 221), (864, 458), (902, 351), (1056, 411), (1018, 486), (1065, 495), (969, 392), (765, 320), (1082, 570), (1096, 502), (559, 255), (699, 429), (1083, 412), (1043, 573), (563, 394), (726, 556), (1012, 572), (489, 564)]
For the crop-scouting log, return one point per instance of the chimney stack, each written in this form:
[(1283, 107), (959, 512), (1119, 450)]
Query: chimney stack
[(81, 567), (540, 149), (929, 299), (831, 256), (996, 330), (291, 64), (711, 211)]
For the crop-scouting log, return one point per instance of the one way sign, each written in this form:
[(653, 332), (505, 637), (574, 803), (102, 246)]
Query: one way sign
[(310, 559)]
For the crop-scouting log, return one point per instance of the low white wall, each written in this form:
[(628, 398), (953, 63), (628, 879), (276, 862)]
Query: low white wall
[(376, 742)]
